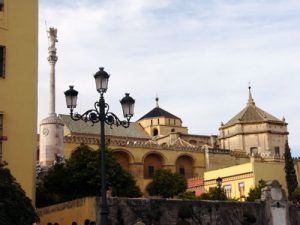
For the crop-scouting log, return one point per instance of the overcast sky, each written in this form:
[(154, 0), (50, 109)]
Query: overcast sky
[(197, 56)]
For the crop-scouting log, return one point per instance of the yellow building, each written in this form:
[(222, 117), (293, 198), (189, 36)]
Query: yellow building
[(135, 149), (73, 212), (18, 89), (237, 180)]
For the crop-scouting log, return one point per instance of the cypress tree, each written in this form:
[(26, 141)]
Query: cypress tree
[(290, 174)]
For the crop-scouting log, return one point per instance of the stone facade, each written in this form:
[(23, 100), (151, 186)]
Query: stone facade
[(272, 209), (255, 132), (159, 140)]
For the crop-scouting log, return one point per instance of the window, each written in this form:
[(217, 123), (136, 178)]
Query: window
[(150, 171), (181, 171), (155, 132), (253, 151), (227, 189), (277, 151), (1, 134), (1, 5), (2, 60), (241, 187)]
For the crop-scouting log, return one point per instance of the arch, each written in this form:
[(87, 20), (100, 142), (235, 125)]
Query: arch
[(152, 161), (253, 151), (154, 132), (130, 155), (87, 222), (123, 158), (184, 166), (74, 223), (173, 130)]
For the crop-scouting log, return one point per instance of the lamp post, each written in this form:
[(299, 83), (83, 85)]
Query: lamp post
[(219, 182), (101, 114)]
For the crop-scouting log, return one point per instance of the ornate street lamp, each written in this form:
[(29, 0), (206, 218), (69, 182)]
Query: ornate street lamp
[(101, 114), (219, 181)]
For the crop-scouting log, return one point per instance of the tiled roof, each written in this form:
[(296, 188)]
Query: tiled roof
[(81, 127), (159, 112), (252, 113)]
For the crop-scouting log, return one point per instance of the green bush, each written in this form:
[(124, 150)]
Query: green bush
[(187, 195), (215, 193), (296, 194)]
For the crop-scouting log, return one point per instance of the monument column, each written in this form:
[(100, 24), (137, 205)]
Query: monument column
[(52, 127)]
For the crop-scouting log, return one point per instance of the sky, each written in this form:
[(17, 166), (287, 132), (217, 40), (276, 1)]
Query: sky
[(197, 56)]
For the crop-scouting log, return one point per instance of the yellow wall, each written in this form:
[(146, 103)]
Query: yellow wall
[(270, 171), (136, 156), (18, 90), (231, 176), (163, 125), (65, 213), (249, 173)]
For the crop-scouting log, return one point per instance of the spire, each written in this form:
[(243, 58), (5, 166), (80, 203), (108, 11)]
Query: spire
[(250, 99), (156, 99)]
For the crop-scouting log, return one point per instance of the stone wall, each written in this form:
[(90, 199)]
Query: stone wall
[(123, 211), (294, 214), (170, 212)]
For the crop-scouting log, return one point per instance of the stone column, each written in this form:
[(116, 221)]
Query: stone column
[(52, 59)]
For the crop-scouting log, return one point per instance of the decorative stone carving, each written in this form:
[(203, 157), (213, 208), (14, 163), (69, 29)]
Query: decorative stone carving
[(276, 203)]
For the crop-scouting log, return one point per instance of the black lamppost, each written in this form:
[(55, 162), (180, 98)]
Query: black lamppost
[(219, 182), (101, 114)]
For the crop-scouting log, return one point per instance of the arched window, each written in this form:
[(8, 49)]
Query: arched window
[(253, 151), (49, 223), (123, 159), (184, 166), (172, 130), (74, 223), (152, 162), (56, 224), (87, 222), (155, 132)]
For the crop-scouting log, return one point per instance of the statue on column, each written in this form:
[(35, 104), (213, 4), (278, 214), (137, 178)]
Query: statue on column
[(52, 38)]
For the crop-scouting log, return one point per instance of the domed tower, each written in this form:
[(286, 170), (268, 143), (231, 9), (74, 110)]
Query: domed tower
[(255, 132), (158, 122), (52, 127)]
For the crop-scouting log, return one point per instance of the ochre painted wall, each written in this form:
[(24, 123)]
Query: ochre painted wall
[(18, 90), (249, 173), (269, 170), (137, 155), (66, 213), (232, 176)]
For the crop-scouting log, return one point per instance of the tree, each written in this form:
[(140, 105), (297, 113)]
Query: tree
[(215, 193), (15, 206), (80, 176), (290, 174), (296, 194), (166, 184), (255, 193)]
